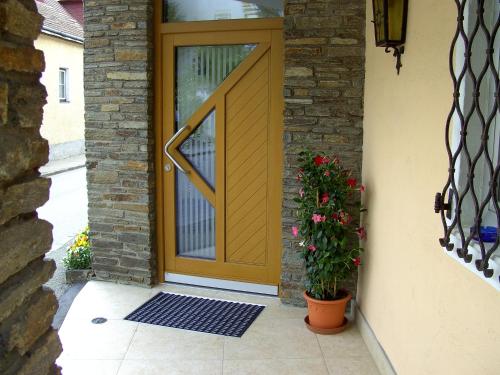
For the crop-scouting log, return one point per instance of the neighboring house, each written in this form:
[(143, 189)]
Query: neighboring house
[(75, 8), (61, 41)]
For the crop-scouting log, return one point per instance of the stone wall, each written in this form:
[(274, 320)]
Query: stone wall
[(120, 138), (28, 344), (324, 78)]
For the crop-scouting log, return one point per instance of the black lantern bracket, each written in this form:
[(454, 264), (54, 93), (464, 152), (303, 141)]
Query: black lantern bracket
[(397, 52), (389, 20)]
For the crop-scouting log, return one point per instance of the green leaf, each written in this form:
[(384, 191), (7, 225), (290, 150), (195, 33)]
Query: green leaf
[(333, 258)]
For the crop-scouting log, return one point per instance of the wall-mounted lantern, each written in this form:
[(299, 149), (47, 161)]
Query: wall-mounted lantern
[(389, 18)]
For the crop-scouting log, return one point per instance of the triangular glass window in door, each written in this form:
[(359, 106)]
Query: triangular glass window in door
[(199, 149), (199, 71)]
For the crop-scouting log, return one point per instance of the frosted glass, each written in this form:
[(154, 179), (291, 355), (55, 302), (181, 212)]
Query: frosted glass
[(200, 70), (199, 149), (195, 221), (207, 10)]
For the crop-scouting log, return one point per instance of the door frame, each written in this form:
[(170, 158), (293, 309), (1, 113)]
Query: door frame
[(160, 30)]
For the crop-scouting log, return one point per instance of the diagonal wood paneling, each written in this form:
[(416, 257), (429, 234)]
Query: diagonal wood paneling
[(247, 122)]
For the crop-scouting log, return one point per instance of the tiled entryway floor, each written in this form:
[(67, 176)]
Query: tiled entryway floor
[(276, 343)]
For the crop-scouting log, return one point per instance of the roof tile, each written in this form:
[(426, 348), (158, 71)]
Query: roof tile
[(58, 20)]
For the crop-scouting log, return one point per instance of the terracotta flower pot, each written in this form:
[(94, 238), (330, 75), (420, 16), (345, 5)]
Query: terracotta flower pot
[(325, 315)]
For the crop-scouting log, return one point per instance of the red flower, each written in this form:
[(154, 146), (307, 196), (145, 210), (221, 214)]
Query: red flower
[(327, 173), (362, 188), (335, 216), (318, 218), (325, 198), (318, 160), (311, 248), (357, 261), (295, 231), (351, 182), (361, 233)]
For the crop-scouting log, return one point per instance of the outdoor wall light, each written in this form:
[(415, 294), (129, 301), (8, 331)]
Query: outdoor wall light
[(389, 18)]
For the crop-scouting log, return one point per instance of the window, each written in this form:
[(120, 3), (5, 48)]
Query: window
[(63, 85), (201, 10), (471, 216)]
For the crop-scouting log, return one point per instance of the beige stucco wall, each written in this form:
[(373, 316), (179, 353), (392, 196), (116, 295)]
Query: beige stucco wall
[(430, 314), (62, 122)]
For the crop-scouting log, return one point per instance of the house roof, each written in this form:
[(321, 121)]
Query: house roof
[(75, 8), (58, 21)]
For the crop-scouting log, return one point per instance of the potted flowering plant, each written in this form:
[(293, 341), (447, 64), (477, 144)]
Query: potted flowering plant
[(78, 259), (324, 229)]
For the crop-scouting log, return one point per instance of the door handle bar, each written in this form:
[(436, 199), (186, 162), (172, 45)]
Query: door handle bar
[(169, 143)]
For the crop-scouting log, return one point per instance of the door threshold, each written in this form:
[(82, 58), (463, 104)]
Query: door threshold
[(239, 286)]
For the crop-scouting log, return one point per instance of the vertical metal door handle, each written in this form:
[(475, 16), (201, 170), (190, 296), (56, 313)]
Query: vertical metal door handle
[(167, 145)]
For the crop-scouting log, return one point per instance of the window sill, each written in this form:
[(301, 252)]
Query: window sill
[(475, 251), (63, 101)]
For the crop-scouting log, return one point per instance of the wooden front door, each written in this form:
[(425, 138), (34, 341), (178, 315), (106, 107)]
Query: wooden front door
[(222, 104)]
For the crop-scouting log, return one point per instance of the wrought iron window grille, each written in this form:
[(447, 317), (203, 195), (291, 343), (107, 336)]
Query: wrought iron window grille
[(469, 201)]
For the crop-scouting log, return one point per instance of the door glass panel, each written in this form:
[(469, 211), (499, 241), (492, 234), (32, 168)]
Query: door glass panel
[(199, 149), (200, 70), (207, 10), (195, 221)]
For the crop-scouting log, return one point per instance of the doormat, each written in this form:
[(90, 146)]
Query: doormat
[(197, 314)]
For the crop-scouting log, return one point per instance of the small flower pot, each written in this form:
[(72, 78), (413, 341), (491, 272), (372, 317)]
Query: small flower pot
[(78, 276), (327, 315)]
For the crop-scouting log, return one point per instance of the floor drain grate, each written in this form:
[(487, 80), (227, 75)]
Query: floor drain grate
[(99, 320)]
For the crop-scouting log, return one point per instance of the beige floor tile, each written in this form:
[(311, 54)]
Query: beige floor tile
[(275, 367), (247, 297), (170, 367), (87, 367), (83, 340), (277, 310), (347, 354), (185, 289), (352, 365), (156, 342), (273, 339), (108, 300), (276, 343), (348, 341), (274, 308)]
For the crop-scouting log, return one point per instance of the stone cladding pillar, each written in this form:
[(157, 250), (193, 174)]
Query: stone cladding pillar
[(119, 138), (28, 343), (324, 78)]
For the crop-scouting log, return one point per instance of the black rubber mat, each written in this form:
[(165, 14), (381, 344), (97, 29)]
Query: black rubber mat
[(197, 314)]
